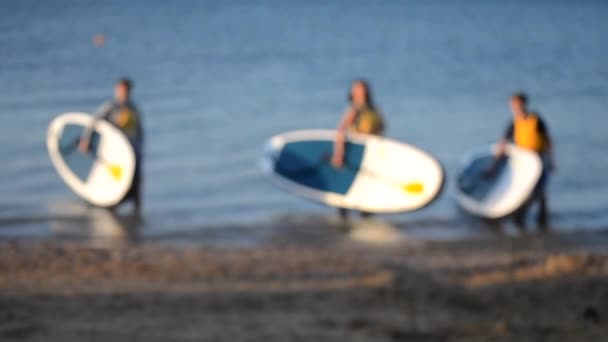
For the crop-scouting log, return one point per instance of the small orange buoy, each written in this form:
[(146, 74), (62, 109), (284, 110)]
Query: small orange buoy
[(99, 40)]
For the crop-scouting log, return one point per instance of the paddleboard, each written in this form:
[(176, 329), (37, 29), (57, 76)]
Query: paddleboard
[(380, 175), (506, 190), (101, 177)]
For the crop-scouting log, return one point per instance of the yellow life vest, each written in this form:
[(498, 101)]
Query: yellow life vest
[(526, 134), (368, 121), (127, 121)]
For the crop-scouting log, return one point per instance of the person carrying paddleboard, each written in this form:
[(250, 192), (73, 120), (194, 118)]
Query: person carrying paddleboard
[(122, 112), (363, 117), (528, 131)]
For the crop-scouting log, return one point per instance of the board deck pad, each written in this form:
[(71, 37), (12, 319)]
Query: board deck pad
[(308, 163), (80, 163), (474, 181)]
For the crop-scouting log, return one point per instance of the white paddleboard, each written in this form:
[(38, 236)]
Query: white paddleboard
[(102, 177), (380, 175), (507, 190)]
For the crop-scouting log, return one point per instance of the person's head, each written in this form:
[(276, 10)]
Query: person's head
[(361, 93), (519, 103), (122, 89)]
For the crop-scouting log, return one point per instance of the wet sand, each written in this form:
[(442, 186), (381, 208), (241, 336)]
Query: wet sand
[(531, 288)]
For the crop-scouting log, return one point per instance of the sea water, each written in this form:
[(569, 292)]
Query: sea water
[(216, 79)]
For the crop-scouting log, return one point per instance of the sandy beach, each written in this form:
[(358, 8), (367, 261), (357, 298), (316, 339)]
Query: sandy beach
[(529, 288)]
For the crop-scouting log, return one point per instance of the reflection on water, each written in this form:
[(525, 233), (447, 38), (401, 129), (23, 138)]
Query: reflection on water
[(319, 230), (377, 232), (93, 225), (74, 221)]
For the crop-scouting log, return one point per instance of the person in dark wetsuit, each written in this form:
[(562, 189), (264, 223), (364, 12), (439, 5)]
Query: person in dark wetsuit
[(528, 131), (363, 117), (122, 113)]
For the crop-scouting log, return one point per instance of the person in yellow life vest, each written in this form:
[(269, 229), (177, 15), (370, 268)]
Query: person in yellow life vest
[(363, 117), (122, 113), (529, 131)]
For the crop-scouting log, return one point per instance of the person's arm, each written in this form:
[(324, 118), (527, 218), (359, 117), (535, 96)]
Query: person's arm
[(102, 113), (337, 159), (544, 131), (501, 147)]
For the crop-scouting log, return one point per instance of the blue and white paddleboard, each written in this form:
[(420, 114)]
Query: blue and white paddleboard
[(103, 176), (506, 190), (380, 175)]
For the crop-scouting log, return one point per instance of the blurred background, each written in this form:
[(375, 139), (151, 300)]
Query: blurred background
[(216, 79)]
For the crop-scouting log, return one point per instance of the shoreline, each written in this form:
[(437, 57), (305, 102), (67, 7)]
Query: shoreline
[(510, 289)]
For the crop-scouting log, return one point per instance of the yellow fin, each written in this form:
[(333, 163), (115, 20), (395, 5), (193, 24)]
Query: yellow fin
[(413, 188), (115, 171)]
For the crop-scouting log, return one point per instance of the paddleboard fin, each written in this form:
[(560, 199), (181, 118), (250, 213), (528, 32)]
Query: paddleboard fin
[(413, 188), (115, 171)]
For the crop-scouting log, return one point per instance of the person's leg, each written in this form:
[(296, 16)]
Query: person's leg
[(137, 198), (343, 213), (519, 217), (134, 194), (543, 215), (365, 214)]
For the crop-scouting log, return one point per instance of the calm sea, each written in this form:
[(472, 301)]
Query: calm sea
[(215, 79)]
